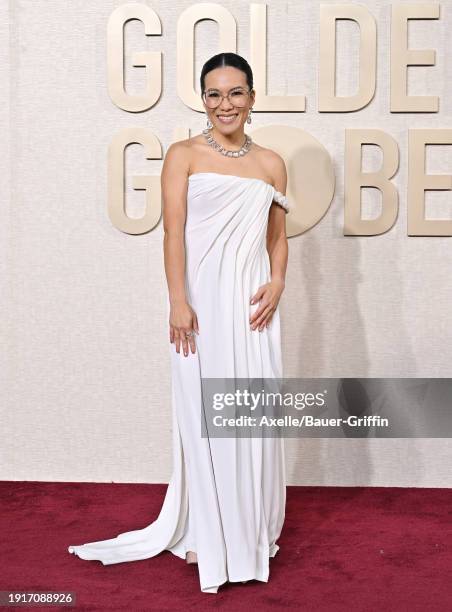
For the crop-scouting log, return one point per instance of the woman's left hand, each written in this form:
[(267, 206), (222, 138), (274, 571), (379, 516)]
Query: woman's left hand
[(268, 295)]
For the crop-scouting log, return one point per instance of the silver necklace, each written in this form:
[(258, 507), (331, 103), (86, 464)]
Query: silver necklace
[(219, 147)]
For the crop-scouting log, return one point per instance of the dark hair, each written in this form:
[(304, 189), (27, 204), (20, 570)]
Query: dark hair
[(227, 59)]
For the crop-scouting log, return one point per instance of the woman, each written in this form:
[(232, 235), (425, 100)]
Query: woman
[(225, 250)]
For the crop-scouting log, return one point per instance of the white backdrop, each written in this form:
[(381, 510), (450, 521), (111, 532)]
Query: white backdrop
[(85, 355)]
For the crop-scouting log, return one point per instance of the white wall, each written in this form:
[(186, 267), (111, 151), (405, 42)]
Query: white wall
[(85, 360)]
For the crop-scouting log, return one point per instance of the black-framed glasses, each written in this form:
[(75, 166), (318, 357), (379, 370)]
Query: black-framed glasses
[(238, 96)]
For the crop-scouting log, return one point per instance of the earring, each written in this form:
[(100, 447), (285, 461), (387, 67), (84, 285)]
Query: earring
[(248, 119), (209, 123)]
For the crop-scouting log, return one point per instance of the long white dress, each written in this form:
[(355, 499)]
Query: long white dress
[(226, 496)]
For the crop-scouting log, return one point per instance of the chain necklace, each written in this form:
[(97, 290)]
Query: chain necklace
[(219, 147)]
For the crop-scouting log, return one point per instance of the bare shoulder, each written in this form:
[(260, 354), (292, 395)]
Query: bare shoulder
[(275, 167), (181, 152), (178, 149), (177, 159)]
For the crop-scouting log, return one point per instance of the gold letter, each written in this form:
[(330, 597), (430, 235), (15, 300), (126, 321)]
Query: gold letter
[(116, 183), (419, 182), (355, 179), (186, 46), (328, 101), (258, 57), (151, 60), (401, 57)]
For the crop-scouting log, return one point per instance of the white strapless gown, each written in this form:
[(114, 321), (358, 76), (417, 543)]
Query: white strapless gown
[(226, 496)]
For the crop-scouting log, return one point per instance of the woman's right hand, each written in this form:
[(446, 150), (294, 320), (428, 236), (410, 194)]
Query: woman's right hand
[(182, 320)]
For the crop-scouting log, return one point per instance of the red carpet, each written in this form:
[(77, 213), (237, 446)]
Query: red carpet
[(366, 549)]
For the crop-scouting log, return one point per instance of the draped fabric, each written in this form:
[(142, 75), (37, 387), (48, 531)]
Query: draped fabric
[(226, 496)]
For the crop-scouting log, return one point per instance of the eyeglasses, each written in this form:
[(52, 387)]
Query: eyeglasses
[(238, 97)]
